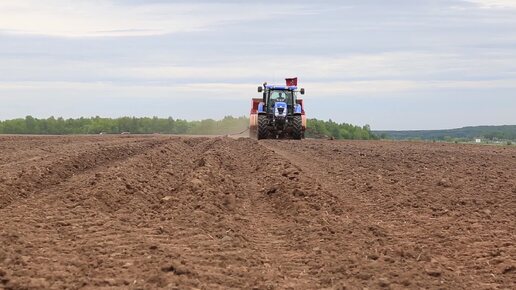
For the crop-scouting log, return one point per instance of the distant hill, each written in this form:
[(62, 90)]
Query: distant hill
[(506, 132)]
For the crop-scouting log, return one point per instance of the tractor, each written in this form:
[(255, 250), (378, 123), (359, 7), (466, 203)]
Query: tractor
[(279, 114)]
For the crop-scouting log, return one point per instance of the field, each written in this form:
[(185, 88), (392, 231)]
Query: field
[(145, 212)]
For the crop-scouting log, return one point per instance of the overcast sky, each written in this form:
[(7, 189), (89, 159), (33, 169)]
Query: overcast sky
[(397, 64)]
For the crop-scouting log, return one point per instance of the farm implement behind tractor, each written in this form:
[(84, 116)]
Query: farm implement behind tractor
[(279, 114)]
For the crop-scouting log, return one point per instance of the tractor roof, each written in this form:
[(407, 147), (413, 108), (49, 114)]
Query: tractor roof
[(275, 87)]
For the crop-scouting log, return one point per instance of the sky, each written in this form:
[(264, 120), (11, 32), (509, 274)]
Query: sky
[(397, 64)]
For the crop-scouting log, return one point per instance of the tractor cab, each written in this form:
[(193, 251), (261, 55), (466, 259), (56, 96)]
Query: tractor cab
[(281, 95)]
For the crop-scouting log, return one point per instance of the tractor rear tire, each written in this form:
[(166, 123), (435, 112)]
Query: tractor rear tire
[(263, 130), (297, 127)]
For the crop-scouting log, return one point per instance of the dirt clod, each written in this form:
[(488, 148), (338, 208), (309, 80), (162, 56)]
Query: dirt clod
[(272, 190), (434, 272), (298, 192), (444, 182), (383, 282), (508, 269), (176, 268)]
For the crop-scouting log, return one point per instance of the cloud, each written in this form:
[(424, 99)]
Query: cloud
[(388, 66), (241, 91), (499, 4), (64, 18)]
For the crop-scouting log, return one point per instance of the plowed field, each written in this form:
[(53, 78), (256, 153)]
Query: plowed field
[(147, 212)]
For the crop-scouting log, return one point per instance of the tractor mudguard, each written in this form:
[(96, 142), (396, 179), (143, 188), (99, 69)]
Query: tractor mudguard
[(298, 109), (260, 107)]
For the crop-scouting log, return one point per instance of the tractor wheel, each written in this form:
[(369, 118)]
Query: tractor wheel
[(263, 131), (297, 127)]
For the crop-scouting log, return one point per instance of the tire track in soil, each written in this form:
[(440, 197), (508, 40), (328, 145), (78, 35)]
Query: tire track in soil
[(262, 243), (292, 223)]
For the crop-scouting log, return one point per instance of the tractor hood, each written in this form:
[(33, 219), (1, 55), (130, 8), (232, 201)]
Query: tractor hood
[(280, 109)]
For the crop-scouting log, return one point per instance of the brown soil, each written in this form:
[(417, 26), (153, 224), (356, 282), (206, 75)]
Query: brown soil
[(146, 212)]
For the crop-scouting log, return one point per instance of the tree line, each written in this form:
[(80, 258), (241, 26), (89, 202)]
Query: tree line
[(146, 125), (319, 128)]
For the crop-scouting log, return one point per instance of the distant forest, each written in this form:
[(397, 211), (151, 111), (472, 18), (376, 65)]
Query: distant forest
[(228, 125), (507, 132)]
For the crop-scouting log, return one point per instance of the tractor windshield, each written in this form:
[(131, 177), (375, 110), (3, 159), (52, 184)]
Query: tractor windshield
[(281, 96)]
